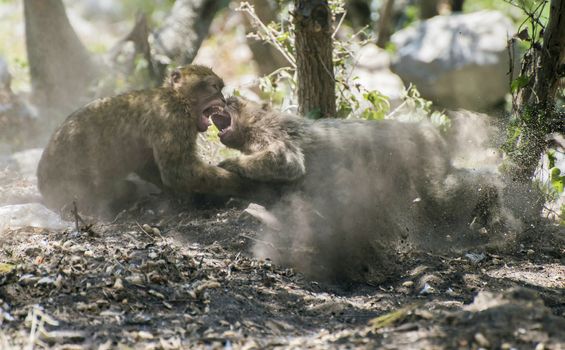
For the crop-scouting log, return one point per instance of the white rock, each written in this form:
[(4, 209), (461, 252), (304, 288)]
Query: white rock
[(457, 61), (373, 72)]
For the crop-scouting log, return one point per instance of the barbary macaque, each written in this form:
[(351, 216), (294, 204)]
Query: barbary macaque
[(149, 132), (282, 147), (353, 187)]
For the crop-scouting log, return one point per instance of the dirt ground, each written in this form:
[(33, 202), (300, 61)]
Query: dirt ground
[(166, 275)]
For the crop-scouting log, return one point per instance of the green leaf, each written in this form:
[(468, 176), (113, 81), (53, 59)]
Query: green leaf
[(519, 83), (6, 268), (557, 181), (372, 114), (551, 158)]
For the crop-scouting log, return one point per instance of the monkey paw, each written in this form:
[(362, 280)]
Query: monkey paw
[(231, 165)]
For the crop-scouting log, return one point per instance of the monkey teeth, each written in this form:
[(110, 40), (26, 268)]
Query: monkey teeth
[(208, 112), (222, 120)]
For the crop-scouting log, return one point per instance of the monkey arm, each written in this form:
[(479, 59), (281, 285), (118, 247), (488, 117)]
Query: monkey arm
[(279, 164), (182, 172)]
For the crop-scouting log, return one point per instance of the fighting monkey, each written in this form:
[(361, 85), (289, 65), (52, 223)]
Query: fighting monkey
[(149, 132), (353, 188)]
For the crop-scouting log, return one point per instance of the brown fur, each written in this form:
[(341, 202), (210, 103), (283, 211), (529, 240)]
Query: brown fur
[(355, 188), (149, 132)]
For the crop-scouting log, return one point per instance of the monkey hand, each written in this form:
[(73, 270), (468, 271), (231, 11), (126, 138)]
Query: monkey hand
[(232, 165)]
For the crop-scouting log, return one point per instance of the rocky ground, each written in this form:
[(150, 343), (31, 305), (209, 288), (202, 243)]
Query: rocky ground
[(167, 275)]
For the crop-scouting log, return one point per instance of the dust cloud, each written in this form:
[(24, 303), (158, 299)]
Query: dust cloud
[(373, 194)]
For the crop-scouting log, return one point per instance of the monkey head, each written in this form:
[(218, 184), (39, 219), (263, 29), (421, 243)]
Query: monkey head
[(235, 122), (201, 91)]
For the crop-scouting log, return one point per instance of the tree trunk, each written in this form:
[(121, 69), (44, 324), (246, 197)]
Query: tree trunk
[(385, 23), (457, 5), (184, 30), (428, 8), (268, 58), (358, 13), (61, 68), (535, 106), (316, 82)]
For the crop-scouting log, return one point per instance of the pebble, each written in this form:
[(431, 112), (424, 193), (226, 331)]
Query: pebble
[(408, 284), (482, 340), (28, 279), (136, 278), (119, 284), (144, 335)]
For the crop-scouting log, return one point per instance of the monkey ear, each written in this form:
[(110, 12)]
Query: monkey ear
[(175, 77)]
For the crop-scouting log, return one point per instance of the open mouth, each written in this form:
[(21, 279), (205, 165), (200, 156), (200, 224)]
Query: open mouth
[(222, 120), (215, 106)]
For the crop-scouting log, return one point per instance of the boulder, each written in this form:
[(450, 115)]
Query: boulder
[(373, 72), (457, 61)]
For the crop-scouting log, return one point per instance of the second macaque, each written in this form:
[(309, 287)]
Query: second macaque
[(352, 186)]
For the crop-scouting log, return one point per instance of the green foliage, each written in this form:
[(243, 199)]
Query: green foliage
[(390, 47), (156, 10), (556, 180), (280, 86), (380, 106), (478, 5), (519, 83), (439, 119), (412, 14)]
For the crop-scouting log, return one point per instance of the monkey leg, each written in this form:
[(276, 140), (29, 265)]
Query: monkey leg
[(104, 200), (149, 172)]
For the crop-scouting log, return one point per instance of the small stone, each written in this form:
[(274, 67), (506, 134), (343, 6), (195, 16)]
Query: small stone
[(156, 231), (408, 284), (28, 279), (136, 278), (427, 289), (46, 280), (146, 228), (156, 294), (144, 335), (88, 253), (119, 284), (530, 252), (482, 340), (59, 282)]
